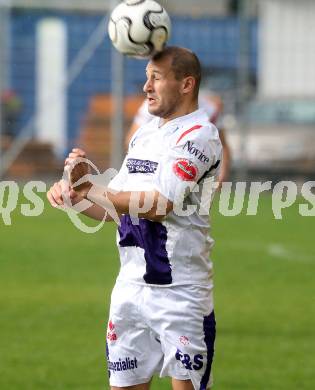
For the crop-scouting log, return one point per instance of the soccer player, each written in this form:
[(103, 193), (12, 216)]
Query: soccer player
[(162, 312), (213, 106)]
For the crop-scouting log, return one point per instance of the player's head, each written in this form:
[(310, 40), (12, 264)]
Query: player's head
[(184, 63), (173, 79)]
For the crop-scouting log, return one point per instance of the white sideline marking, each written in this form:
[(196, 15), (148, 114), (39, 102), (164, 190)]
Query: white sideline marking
[(276, 250), (281, 252)]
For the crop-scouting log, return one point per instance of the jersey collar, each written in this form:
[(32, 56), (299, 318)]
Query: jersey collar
[(200, 114)]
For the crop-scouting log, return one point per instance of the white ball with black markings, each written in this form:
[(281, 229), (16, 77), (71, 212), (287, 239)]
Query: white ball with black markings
[(139, 28)]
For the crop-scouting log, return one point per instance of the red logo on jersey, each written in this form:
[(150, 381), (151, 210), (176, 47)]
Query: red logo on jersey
[(185, 169), (184, 340), (111, 334)]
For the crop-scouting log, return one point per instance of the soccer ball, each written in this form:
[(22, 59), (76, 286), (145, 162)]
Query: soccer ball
[(139, 28)]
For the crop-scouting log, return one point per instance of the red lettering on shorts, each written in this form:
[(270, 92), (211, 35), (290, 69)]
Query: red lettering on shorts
[(184, 340), (111, 333)]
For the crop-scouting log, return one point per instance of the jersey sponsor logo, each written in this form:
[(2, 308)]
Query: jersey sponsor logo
[(190, 363), (185, 169), (124, 364), (135, 165), (192, 149), (111, 333)]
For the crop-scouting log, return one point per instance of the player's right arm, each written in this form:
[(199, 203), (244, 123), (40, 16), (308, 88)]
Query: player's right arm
[(142, 117), (133, 128)]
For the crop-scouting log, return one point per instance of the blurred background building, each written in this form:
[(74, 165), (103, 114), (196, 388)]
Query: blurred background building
[(58, 80)]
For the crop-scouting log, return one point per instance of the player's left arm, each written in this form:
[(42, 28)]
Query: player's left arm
[(60, 193), (151, 205), (142, 204), (226, 160), (217, 120)]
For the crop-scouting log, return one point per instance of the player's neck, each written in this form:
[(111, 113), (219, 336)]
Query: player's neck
[(185, 109)]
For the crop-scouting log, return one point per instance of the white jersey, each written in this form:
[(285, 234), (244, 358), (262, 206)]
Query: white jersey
[(205, 101), (183, 152)]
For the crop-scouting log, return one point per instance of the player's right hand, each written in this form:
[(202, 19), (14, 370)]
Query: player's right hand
[(76, 168), (74, 154)]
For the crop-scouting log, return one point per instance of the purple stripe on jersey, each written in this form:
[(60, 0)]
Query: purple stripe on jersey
[(135, 165), (209, 332), (150, 236), (107, 358)]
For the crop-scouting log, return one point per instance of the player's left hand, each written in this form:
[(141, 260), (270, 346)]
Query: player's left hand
[(61, 195), (55, 193)]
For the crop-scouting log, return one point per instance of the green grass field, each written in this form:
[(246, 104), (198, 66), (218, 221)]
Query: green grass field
[(55, 284)]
